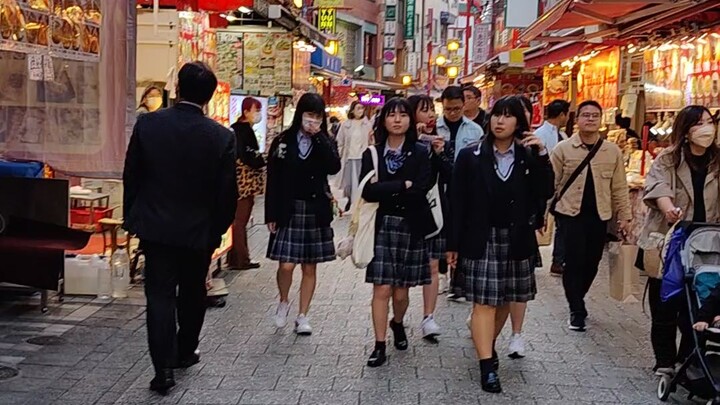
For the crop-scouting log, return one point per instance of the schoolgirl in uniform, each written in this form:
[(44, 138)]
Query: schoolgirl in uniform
[(403, 220)]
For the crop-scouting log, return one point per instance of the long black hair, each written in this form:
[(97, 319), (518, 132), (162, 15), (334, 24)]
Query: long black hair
[(509, 105), (420, 101), (400, 105), (309, 103)]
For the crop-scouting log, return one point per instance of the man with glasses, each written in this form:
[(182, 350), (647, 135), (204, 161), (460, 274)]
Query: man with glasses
[(590, 187), (459, 132), (472, 105)]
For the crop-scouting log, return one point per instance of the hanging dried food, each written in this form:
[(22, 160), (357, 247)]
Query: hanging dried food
[(12, 20)]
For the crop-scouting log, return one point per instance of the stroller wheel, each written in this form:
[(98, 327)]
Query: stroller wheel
[(664, 390)]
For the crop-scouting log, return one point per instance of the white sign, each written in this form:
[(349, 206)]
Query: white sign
[(48, 68), (35, 67), (388, 71), (520, 13), (389, 42), (390, 27)]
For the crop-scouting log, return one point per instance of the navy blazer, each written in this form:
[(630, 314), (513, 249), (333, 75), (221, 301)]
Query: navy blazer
[(179, 179), (472, 191)]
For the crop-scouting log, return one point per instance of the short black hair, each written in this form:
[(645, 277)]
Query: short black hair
[(196, 83), (474, 90), (452, 93), (557, 107), (513, 106), (589, 103), (334, 120)]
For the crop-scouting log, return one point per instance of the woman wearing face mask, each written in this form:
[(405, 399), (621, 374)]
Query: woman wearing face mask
[(496, 189), (151, 100), (441, 170), (250, 178), (682, 185), (298, 204), (352, 139), (403, 220)]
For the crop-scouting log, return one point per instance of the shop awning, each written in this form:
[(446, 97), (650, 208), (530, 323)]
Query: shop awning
[(376, 85), (507, 59), (611, 13), (538, 58)]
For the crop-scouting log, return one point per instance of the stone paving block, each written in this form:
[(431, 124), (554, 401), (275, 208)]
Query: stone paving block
[(584, 393), (373, 397), (294, 370), (329, 398), (468, 398), (15, 398), (24, 384), (142, 396), (361, 384), (342, 370), (254, 383), (399, 384), (305, 383), (437, 373), (270, 398), (301, 359), (211, 397)]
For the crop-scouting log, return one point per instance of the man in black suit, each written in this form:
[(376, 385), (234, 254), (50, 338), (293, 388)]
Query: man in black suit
[(180, 197)]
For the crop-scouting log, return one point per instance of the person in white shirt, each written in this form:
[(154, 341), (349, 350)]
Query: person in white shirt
[(551, 131), (352, 140)]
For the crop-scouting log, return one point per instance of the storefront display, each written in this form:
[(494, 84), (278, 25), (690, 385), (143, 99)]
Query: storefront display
[(556, 84), (598, 79), (267, 65), (219, 106), (230, 58)]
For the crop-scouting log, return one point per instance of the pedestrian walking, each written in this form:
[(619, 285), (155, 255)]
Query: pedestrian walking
[(441, 164), (179, 199), (551, 133), (590, 187), (352, 139), (403, 220), (298, 205), (250, 179), (682, 185), (472, 109), (151, 100), (458, 132), (496, 189)]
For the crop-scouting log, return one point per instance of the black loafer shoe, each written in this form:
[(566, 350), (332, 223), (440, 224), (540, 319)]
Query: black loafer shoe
[(248, 266), (163, 381), (401, 340), (491, 383), (377, 358), (188, 361)]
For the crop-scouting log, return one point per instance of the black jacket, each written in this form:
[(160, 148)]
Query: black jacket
[(282, 172), (471, 193), (179, 179), (390, 189), (248, 150)]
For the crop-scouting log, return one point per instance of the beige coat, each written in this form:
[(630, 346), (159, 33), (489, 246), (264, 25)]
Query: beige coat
[(608, 171), (664, 180)]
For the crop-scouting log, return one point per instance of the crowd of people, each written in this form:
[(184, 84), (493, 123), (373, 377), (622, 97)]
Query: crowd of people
[(497, 182)]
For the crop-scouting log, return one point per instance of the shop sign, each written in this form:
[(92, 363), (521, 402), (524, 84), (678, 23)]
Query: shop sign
[(481, 40), (323, 60), (410, 19), (329, 3), (267, 66), (372, 99), (327, 19), (390, 13), (389, 40)]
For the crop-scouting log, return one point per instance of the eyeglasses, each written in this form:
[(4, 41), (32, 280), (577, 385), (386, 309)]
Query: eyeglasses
[(590, 115), (453, 109)]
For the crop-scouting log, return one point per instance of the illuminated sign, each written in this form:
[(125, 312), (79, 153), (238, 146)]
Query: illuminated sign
[(372, 99), (326, 20)]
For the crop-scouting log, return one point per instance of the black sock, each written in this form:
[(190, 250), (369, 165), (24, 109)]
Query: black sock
[(379, 345), (486, 367)]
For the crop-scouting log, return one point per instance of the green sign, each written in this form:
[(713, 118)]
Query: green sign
[(390, 13), (410, 19)]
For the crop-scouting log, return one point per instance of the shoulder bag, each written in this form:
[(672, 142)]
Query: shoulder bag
[(575, 175)]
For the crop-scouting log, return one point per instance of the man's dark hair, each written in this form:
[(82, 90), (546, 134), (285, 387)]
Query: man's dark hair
[(196, 83), (452, 93), (334, 120), (589, 103), (557, 107), (474, 90)]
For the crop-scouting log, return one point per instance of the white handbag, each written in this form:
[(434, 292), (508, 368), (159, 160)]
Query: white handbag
[(433, 197), (360, 242)]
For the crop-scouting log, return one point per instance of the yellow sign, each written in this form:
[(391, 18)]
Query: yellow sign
[(326, 20), (329, 3)]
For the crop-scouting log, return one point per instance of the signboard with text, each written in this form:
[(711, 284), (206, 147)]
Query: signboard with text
[(326, 20), (389, 54), (410, 19)]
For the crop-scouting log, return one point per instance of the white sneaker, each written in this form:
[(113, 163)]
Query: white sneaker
[(281, 314), (443, 284), (516, 348), (429, 327), (302, 325)]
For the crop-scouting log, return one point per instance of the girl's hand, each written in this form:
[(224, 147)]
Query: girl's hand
[(272, 227), (451, 258), (701, 326), (408, 184), (438, 145), (531, 139)]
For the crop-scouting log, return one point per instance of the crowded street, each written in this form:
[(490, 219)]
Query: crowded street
[(246, 360)]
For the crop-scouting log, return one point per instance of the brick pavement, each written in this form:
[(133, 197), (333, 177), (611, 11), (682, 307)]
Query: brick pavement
[(245, 360)]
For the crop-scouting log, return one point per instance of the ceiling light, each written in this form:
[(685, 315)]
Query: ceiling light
[(245, 10)]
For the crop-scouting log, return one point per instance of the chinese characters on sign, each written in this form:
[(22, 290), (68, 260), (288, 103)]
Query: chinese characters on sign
[(389, 41), (326, 20), (410, 19)]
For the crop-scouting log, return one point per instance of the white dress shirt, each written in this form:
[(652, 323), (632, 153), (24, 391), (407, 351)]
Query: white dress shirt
[(548, 134)]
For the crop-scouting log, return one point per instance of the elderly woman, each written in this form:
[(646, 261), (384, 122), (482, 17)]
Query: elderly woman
[(682, 185)]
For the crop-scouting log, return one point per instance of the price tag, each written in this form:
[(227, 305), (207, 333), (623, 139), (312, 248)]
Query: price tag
[(35, 67), (48, 68)]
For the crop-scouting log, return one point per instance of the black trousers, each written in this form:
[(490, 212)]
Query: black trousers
[(584, 244), (558, 252), (667, 318), (174, 283)]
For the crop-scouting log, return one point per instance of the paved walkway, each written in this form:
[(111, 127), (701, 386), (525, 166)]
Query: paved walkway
[(102, 355)]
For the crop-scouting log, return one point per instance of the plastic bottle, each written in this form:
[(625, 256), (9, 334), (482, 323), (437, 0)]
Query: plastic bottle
[(120, 263), (104, 288)]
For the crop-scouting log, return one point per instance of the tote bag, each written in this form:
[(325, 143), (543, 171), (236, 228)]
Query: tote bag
[(433, 197), (366, 212)]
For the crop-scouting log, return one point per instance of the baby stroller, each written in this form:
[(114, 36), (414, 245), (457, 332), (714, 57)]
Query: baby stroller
[(692, 268)]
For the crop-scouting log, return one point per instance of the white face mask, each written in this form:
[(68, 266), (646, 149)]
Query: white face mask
[(703, 136), (153, 103), (310, 126), (256, 118)]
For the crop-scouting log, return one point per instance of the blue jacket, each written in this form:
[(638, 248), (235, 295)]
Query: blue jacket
[(469, 133)]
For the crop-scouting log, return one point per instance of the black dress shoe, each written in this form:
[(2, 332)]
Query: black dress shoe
[(377, 358), (188, 361), (163, 381), (248, 266), (491, 383)]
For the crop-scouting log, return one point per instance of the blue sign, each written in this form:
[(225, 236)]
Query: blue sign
[(324, 60)]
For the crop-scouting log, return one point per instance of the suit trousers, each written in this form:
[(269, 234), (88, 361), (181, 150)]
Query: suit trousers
[(584, 248), (240, 254), (174, 284)]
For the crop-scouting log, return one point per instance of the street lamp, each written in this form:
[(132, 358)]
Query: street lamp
[(453, 45), (332, 47), (452, 72), (298, 3), (406, 79), (440, 60)]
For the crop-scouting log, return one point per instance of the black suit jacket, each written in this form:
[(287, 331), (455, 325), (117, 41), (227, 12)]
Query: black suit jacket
[(179, 179), (472, 191), (283, 178)]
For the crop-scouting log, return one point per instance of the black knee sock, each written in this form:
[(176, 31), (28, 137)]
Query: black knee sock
[(486, 366), (380, 345)]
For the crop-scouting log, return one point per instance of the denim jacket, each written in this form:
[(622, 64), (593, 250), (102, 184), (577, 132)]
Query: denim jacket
[(469, 133)]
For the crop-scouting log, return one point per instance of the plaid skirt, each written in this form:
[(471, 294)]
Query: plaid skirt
[(436, 247), (496, 279), (400, 260), (302, 241)]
